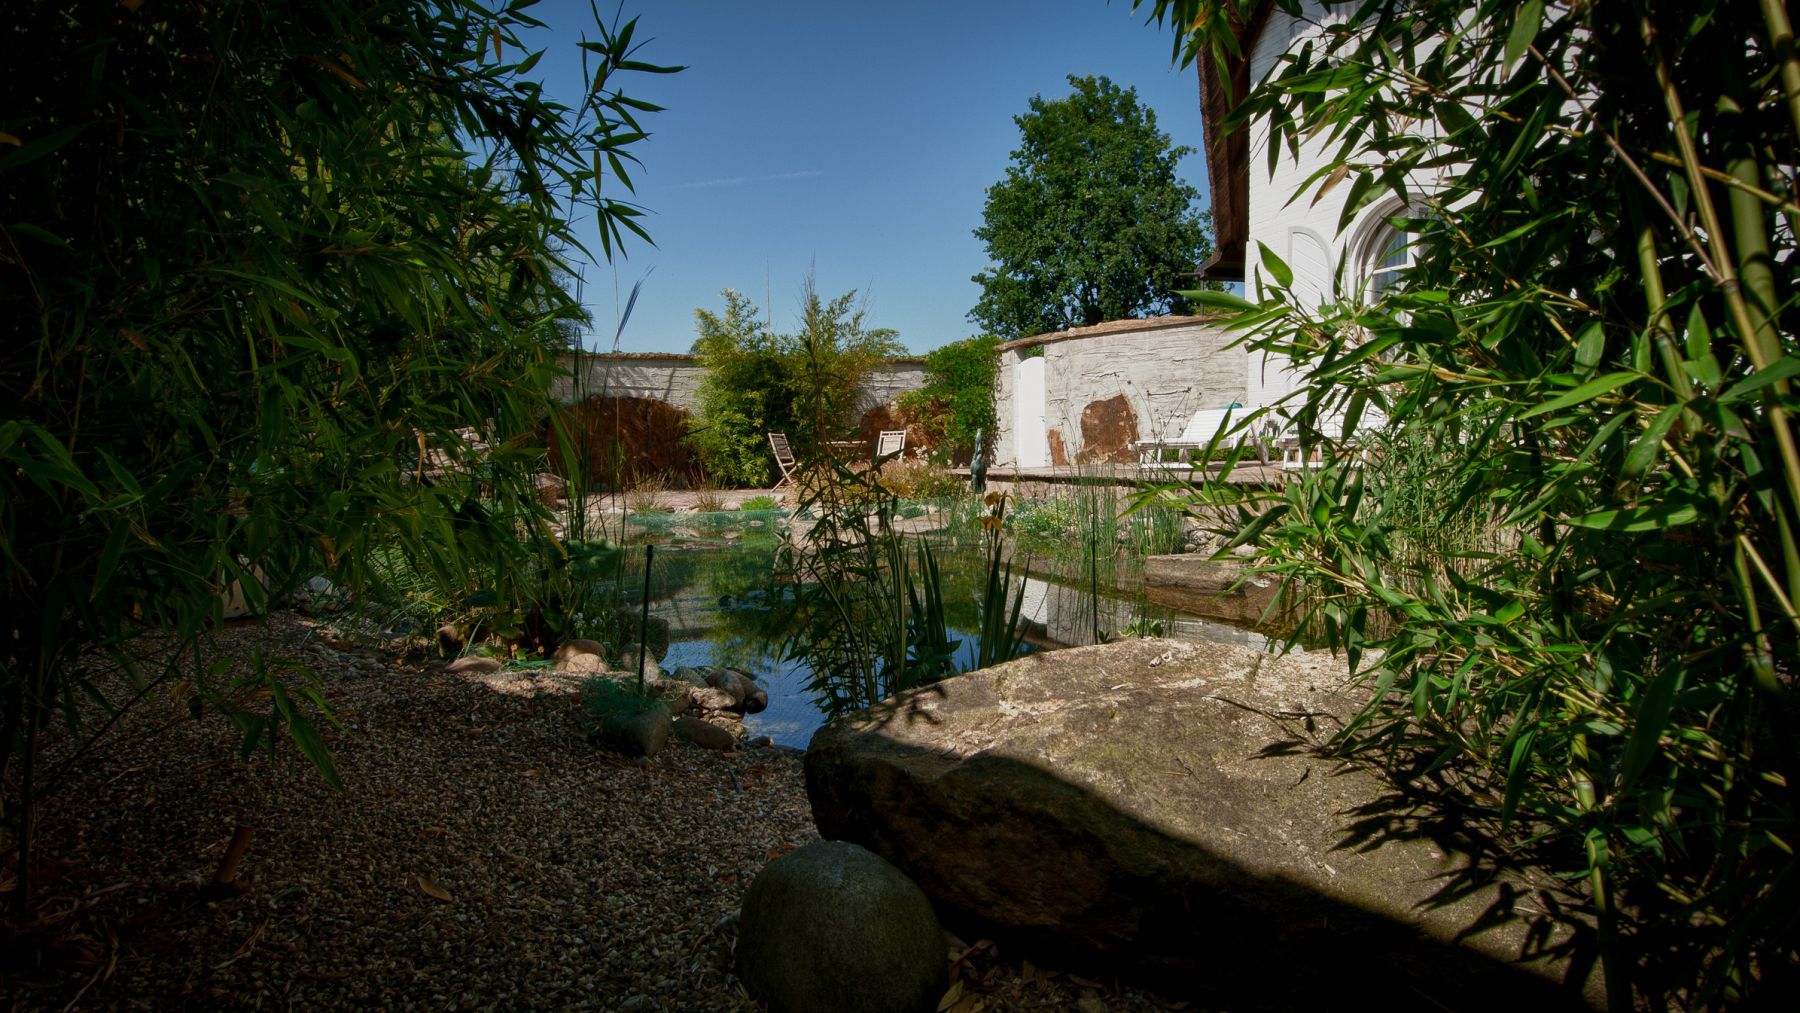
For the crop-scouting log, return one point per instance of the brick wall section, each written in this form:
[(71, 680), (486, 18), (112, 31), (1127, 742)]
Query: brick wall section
[(1164, 369)]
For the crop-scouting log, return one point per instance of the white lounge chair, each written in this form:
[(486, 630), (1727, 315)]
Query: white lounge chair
[(1198, 434), (1331, 429), (890, 442)]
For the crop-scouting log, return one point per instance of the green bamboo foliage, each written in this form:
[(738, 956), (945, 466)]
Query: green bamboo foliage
[(255, 259), (1587, 380)]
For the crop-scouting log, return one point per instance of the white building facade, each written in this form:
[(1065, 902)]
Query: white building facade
[(1301, 222)]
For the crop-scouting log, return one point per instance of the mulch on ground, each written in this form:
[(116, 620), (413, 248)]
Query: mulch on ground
[(483, 854)]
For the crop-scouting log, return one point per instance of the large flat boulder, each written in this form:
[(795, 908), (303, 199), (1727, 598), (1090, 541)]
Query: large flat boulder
[(1158, 807)]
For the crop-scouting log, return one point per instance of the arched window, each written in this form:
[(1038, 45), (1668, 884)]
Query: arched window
[(1381, 250), (1391, 255)]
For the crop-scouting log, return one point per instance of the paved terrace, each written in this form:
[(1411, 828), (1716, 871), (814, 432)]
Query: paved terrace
[(1025, 480)]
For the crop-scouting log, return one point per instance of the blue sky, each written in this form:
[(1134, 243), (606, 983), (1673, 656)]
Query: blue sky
[(853, 140)]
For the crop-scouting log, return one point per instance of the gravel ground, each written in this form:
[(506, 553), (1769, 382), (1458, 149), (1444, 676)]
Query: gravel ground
[(483, 855)]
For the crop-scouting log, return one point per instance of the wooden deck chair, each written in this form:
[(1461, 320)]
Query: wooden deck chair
[(891, 442), (784, 459)]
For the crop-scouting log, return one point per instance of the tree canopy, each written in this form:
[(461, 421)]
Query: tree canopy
[(1092, 221)]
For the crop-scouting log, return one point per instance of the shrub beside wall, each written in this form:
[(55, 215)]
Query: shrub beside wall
[(628, 439)]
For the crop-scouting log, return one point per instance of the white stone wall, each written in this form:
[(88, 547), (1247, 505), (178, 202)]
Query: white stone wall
[(1167, 368), (676, 379), (671, 378), (891, 380)]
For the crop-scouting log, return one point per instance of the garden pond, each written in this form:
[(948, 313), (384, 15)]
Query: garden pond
[(717, 585)]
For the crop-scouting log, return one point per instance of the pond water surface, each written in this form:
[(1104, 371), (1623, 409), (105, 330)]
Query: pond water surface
[(720, 597)]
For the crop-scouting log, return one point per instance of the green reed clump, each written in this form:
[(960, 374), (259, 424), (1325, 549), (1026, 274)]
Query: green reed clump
[(868, 617)]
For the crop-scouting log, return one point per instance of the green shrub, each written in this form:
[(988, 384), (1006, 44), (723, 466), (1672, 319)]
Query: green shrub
[(957, 400), (918, 479), (757, 382), (759, 503), (1042, 522), (606, 696), (744, 394)]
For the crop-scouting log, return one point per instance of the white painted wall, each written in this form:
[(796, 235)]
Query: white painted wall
[(671, 378), (1329, 262), (676, 379)]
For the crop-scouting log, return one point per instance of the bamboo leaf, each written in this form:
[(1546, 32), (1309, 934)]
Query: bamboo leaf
[(1222, 300), (1639, 519), (1649, 724), (1783, 368), (35, 149), (1643, 452), (314, 749), (1526, 22), (1584, 393), (1283, 275), (1590, 347), (1453, 116), (1518, 774), (1331, 181)]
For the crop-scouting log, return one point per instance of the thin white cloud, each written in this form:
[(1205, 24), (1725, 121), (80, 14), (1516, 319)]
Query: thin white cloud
[(740, 180)]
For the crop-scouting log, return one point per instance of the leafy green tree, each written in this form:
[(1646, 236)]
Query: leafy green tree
[(957, 401), (830, 361), (253, 257), (1589, 370), (1092, 221), (807, 384), (743, 395)]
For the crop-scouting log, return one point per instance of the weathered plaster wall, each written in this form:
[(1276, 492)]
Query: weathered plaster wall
[(891, 380), (676, 379), (1112, 383)]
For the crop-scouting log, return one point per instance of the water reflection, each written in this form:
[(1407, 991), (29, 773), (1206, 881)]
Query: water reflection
[(722, 602)]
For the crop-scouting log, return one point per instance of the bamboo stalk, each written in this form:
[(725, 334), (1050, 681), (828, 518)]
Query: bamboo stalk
[(1781, 37), (1661, 335), (1758, 342), (1732, 182)]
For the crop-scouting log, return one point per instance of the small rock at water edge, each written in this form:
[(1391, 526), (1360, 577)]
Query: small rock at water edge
[(707, 698), (571, 648), (729, 682), (473, 665), (583, 664), (704, 734)]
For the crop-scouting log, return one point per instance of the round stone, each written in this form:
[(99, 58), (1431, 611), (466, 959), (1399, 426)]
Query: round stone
[(833, 928)]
